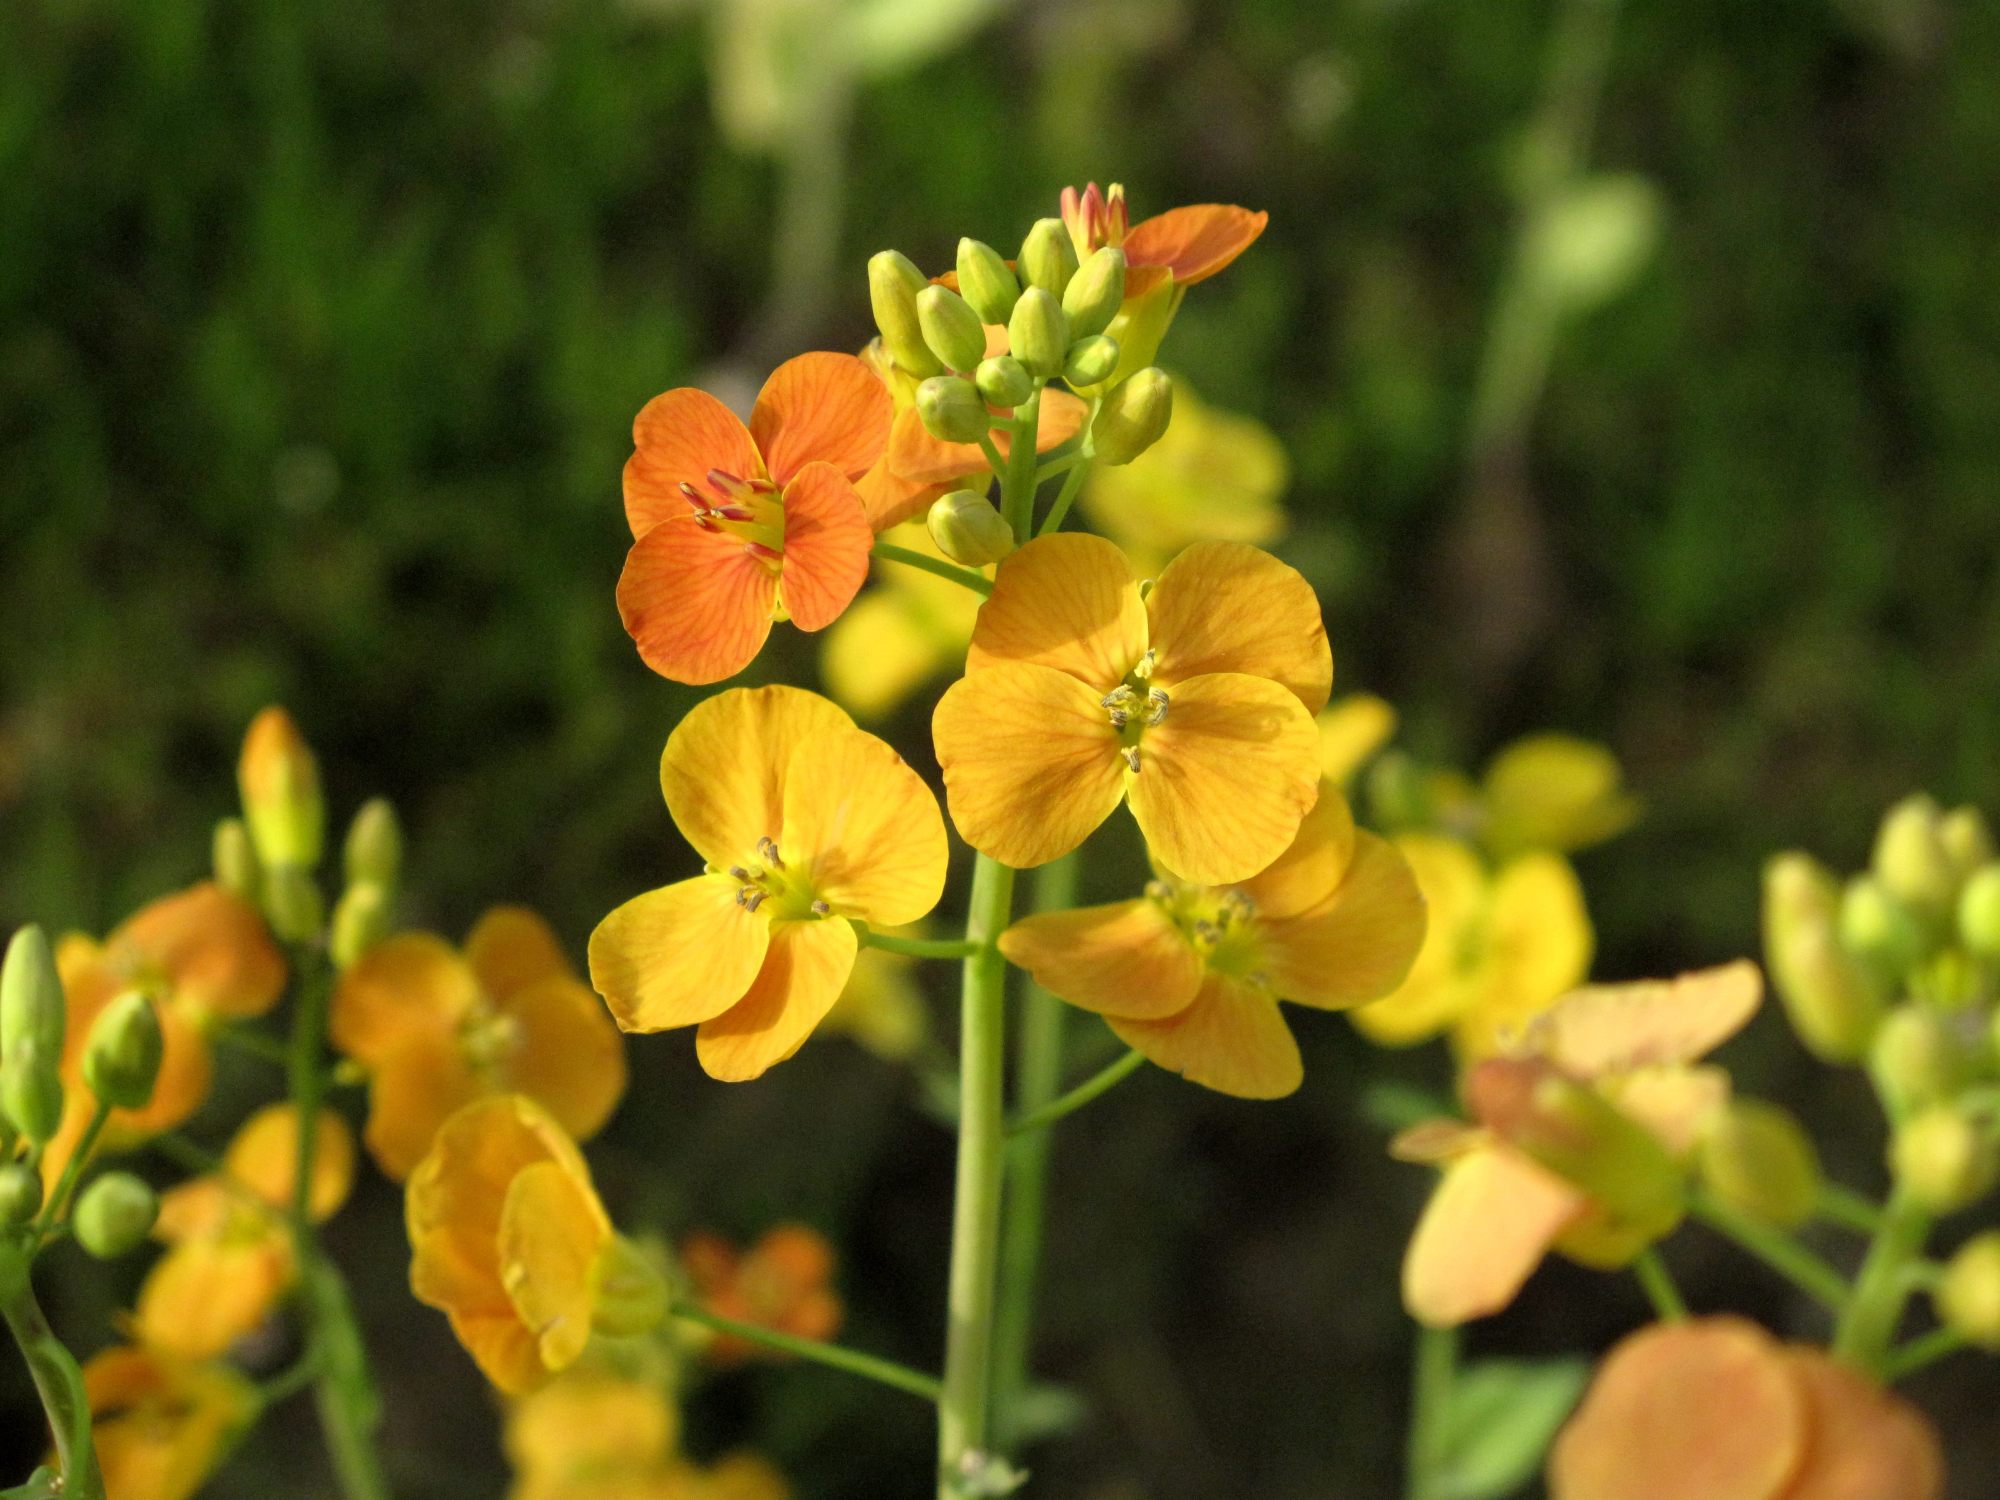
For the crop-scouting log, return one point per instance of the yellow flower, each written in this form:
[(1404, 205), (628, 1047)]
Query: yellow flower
[(1214, 477), (1193, 702), (231, 1248), (437, 1028), (508, 1239), (161, 1425), (1192, 975), (1351, 731), (910, 627), (1553, 791), (805, 822), (1499, 949), (1584, 1138), (783, 1282)]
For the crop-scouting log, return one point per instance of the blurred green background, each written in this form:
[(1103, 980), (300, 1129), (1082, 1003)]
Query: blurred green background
[(321, 330)]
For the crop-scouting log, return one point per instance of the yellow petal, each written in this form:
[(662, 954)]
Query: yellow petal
[(723, 771), (411, 982), (161, 1425), (1225, 780), (884, 648), (1492, 1218), (1554, 791), (411, 1093), (1231, 1039), (1358, 944), (1067, 601), (1126, 959), (1225, 607), (1312, 866), (1538, 945), (803, 972), (202, 1297), (1031, 762), (678, 955), (589, 1421), (1351, 730), (264, 1158), (865, 831), (1614, 1028), (213, 948), (570, 1058), (511, 948), (1438, 989), (1674, 1102), (551, 1230)]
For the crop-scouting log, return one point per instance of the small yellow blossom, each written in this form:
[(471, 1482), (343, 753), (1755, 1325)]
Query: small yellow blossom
[(1553, 791), (162, 1425), (783, 1282), (1351, 730)]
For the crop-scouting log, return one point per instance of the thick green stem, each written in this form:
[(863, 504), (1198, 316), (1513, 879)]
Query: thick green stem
[(979, 583), (963, 1405), (1017, 480), (1433, 1374), (853, 1361), (58, 1382), (1775, 1248), (1868, 1325)]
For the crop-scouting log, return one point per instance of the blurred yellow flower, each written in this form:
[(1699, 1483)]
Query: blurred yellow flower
[(882, 1008), (437, 1028), (783, 1282), (909, 628), (1554, 791), (161, 1425), (1351, 730)]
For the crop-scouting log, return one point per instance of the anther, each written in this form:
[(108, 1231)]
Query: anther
[(739, 872), (768, 848), (749, 899), (1132, 757), (821, 909), (1156, 706), (1159, 890)]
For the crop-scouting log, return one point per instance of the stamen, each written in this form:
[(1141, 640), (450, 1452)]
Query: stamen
[(821, 909), (750, 899), (739, 872), (768, 848), (1132, 757), (1158, 890), (1146, 664), (1156, 701)]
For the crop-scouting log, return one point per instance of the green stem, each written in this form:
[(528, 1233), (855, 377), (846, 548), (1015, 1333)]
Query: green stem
[(1433, 1374), (975, 1230), (52, 1211), (991, 449), (1061, 465), (1925, 1349), (289, 1382), (868, 1366), (1017, 480), (915, 947), (256, 1043), (979, 583), (1844, 1206), (1065, 497), (1868, 1324), (1774, 1248), (58, 1382), (1658, 1284), (1098, 1083)]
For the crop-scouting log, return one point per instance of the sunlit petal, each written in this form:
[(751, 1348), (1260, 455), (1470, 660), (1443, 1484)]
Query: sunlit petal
[(1067, 601), (510, 948), (408, 983), (697, 603), (1196, 241), (1125, 959), (1231, 1038), (677, 956), (678, 437), (804, 970), (1313, 864), (723, 770), (1357, 945), (821, 408), (212, 948), (864, 830), (827, 541), (1225, 607), (1490, 1221)]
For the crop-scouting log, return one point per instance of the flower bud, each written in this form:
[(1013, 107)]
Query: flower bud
[(31, 1091), (233, 860), (31, 994), (951, 409), (1831, 1001), (1877, 927), (986, 281), (1038, 333), (630, 1290), (20, 1196), (1968, 1298), (1758, 1158), (1095, 293), (968, 529), (1048, 259), (292, 903), (951, 328), (279, 780), (114, 1215), (1133, 417), (1090, 360), (1003, 381), (1922, 1056), (1979, 912), (373, 853), (893, 284), (1944, 1159), (1967, 840), (360, 921), (121, 1058), (1910, 858)]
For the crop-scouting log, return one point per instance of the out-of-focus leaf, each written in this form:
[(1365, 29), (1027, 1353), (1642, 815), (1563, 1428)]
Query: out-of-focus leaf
[(887, 35), (1592, 242), (1392, 1106), (1502, 1417)]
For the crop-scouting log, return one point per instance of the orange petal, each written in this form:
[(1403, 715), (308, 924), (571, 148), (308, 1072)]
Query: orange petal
[(864, 830), (264, 1158), (1231, 1039), (724, 769), (217, 954), (570, 1058), (1031, 763), (696, 603), (1225, 607), (201, 1297), (1067, 601), (677, 956), (803, 972), (1490, 1221), (1865, 1443), (827, 541), (1615, 1028), (1312, 866), (821, 408), (1226, 779), (1356, 946), (679, 437), (409, 983), (888, 497), (411, 1093), (1126, 959), (551, 1230), (161, 1425), (1196, 241), (511, 948)]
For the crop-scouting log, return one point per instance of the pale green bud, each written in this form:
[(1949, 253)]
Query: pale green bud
[(1758, 1158), (951, 328), (279, 780), (292, 903), (1048, 258), (893, 284), (968, 529), (374, 850), (1967, 840), (1095, 293), (1922, 1056), (31, 994), (986, 281), (629, 1290), (1133, 417), (1910, 857), (1004, 381), (1831, 1001), (1979, 913), (951, 410), (233, 858), (1876, 926), (121, 1057), (1944, 1159), (31, 1091), (1968, 1297), (1091, 360), (114, 1215), (360, 921), (1038, 333), (20, 1196)]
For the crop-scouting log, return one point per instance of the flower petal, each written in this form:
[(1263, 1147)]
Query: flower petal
[(510, 948), (679, 436), (1066, 601), (696, 603), (1490, 1221), (1866, 1443), (201, 1297), (1313, 864), (887, 645), (864, 830), (1231, 1039), (803, 972), (217, 954), (411, 1093), (1126, 959), (723, 770), (264, 1158), (1227, 778), (827, 542), (409, 983), (1225, 607), (1356, 946), (1615, 1028), (821, 408), (1031, 764), (1437, 990), (570, 1058), (889, 498), (677, 956), (551, 1230), (1538, 942), (1195, 241)]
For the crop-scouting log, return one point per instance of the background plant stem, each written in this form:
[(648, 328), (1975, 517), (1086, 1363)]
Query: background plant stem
[(1433, 1373), (59, 1383)]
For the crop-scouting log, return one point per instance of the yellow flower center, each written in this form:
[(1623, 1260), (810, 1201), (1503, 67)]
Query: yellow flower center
[(489, 1038), (768, 885), (751, 510), (1219, 922), (1135, 706)]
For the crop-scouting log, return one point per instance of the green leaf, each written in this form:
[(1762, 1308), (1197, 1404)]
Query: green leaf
[(43, 1484), (1503, 1415)]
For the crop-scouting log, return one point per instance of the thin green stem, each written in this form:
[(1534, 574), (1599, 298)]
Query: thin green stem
[(1774, 1248), (1433, 1375), (1868, 1324), (53, 1210), (914, 947), (58, 1382), (1068, 1104), (1923, 1350), (287, 1383), (1061, 465), (1017, 480), (1065, 498), (1657, 1282), (979, 583), (1847, 1208), (853, 1361), (994, 460), (256, 1043)]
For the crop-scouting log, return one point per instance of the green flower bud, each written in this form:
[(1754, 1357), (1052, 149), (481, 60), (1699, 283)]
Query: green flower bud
[(1877, 927), (1091, 360), (114, 1215), (893, 284), (20, 1196), (1095, 293), (1979, 913), (1922, 1056), (121, 1058), (1968, 1298), (968, 529), (1910, 858), (1758, 1158), (360, 921), (630, 1290), (951, 328), (1830, 1000), (31, 994), (1133, 417), (1004, 381), (1967, 840), (233, 859), (374, 850), (31, 1091), (1048, 258), (1944, 1159), (279, 780), (292, 903), (1038, 333), (951, 409), (986, 281)]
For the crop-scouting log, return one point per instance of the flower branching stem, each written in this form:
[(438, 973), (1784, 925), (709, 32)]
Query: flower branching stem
[(1037, 1121), (834, 1356), (1657, 1282), (979, 583), (914, 947), (1774, 1248), (57, 1379), (1868, 1323), (1433, 1377)]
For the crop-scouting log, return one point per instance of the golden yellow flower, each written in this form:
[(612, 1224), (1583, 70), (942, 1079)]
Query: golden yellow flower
[(1553, 791), (160, 1424)]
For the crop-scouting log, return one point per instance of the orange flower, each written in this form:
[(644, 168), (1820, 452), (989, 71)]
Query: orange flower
[(1716, 1409), (161, 1425), (783, 1282), (735, 527), (1193, 702), (437, 1029), (231, 1248), (1192, 975)]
